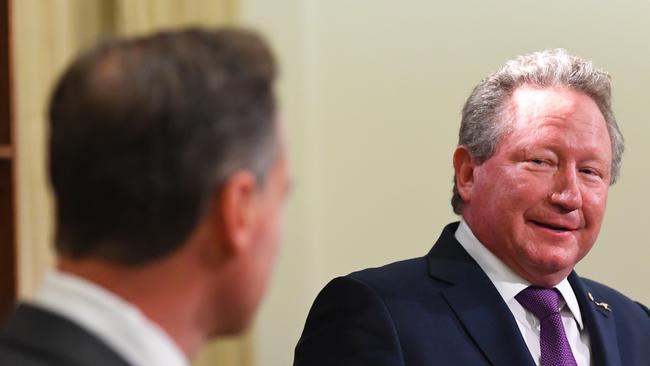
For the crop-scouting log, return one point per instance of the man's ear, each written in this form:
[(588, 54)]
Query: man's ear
[(238, 210), (464, 165)]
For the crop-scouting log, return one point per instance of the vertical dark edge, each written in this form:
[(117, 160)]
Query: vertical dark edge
[(7, 169), (5, 124)]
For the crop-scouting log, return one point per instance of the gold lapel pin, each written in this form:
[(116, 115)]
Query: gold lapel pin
[(603, 305)]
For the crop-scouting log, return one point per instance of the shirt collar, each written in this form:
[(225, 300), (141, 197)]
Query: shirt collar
[(506, 281), (118, 323)]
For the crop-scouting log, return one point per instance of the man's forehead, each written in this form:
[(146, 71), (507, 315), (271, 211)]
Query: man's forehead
[(533, 103)]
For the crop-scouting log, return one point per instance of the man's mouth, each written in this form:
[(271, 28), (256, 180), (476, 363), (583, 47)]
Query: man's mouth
[(558, 227)]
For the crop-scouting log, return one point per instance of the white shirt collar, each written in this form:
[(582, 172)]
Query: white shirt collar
[(506, 281), (122, 326)]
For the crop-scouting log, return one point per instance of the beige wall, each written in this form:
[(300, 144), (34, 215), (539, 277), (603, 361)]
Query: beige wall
[(372, 92)]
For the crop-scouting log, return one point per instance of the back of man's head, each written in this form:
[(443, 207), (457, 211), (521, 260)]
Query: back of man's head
[(145, 130)]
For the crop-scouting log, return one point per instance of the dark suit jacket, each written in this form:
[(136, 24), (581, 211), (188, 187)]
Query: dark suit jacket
[(36, 337), (442, 309)]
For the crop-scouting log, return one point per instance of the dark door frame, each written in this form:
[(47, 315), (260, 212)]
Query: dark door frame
[(8, 282)]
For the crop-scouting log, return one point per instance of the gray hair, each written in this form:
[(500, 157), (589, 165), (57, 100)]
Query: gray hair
[(482, 125)]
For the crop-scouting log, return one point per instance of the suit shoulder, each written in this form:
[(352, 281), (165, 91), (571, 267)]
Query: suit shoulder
[(389, 272), (367, 290), (14, 353), (35, 336), (391, 278), (348, 324)]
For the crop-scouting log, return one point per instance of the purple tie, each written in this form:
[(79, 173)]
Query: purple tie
[(544, 303)]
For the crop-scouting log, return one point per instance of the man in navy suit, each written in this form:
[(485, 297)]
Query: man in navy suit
[(539, 147), (169, 170)]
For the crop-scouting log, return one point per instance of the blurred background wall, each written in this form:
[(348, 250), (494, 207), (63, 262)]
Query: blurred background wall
[(371, 92)]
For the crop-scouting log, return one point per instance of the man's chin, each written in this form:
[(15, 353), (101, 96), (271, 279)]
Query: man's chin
[(235, 325), (549, 271)]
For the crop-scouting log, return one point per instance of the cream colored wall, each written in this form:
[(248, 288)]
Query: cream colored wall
[(372, 92)]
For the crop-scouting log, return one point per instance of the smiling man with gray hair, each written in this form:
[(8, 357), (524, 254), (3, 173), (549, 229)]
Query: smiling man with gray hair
[(538, 149)]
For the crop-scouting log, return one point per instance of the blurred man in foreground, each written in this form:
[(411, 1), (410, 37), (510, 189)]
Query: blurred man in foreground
[(169, 170), (539, 147)]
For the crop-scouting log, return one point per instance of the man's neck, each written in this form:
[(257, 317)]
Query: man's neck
[(171, 302)]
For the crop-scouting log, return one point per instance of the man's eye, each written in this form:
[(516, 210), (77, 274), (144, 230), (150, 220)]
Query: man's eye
[(589, 172), (538, 161)]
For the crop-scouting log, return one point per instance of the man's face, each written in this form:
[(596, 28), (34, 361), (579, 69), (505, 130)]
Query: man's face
[(271, 203), (539, 201), (266, 234)]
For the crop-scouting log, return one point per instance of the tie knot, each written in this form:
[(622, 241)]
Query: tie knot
[(542, 302)]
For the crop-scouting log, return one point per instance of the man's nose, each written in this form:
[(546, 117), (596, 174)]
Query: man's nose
[(566, 192)]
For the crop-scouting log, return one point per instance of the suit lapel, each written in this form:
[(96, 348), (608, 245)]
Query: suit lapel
[(57, 338), (477, 304), (599, 323)]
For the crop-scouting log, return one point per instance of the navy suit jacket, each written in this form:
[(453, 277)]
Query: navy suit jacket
[(442, 309), (36, 337)]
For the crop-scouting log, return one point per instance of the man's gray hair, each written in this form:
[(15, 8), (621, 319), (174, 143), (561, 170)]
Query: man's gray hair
[(482, 125)]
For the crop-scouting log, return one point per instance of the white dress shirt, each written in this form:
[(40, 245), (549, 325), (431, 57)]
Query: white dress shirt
[(509, 284), (122, 326)]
